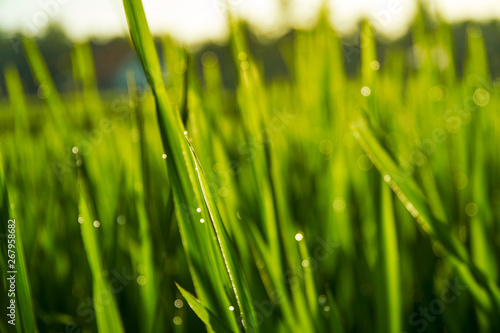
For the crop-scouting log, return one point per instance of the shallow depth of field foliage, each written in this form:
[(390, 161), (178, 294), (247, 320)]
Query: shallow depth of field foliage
[(314, 201)]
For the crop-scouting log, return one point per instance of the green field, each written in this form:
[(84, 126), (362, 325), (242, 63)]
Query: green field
[(319, 201)]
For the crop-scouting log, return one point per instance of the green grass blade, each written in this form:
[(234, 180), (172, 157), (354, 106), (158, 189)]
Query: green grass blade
[(205, 315), (108, 319), (42, 75), (412, 199), (390, 303), (149, 290), (183, 169), (25, 318), (17, 98)]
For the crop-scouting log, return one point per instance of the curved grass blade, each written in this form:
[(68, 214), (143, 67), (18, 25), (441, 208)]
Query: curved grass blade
[(411, 197), (85, 78), (23, 288), (108, 318), (335, 321), (149, 291), (16, 98), (46, 84), (230, 258), (199, 242), (203, 313), (390, 304)]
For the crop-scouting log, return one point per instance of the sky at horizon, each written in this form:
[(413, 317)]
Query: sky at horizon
[(198, 21)]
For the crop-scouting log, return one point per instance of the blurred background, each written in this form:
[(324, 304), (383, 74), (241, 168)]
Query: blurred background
[(201, 25)]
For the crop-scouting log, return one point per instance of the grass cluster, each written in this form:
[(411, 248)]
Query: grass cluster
[(318, 202)]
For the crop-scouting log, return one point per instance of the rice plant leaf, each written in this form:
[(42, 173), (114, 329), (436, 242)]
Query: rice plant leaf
[(335, 319), (238, 282), (390, 304), (46, 84), (204, 314), (411, 197), (107, 316), (16, 98), (25, 321), (148, 292), (186, 187)]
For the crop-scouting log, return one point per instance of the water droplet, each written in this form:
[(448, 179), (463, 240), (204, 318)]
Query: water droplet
[(460, 181), (305, 263), (97, 224), (474, 30), (223, 191), (178, 303), (339, 205), (436, 94), (471, 209), (245, 65), (438, 249), (121, 219), (299, 236), (453, 124), (80, 219), (387, 178), (164, 156), (481, 97), (326, 147), (411, 209), (209, 59), (231, 308), (180, 67), (177, 320), (43, 91), (202, 220), (375, 65), (326, 308), (365, 91), (141, 268), (242, 56), (75, 150), (364, 162), (185, 132), (198, 210), (141, 280), (218, 168), (322, 299)]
